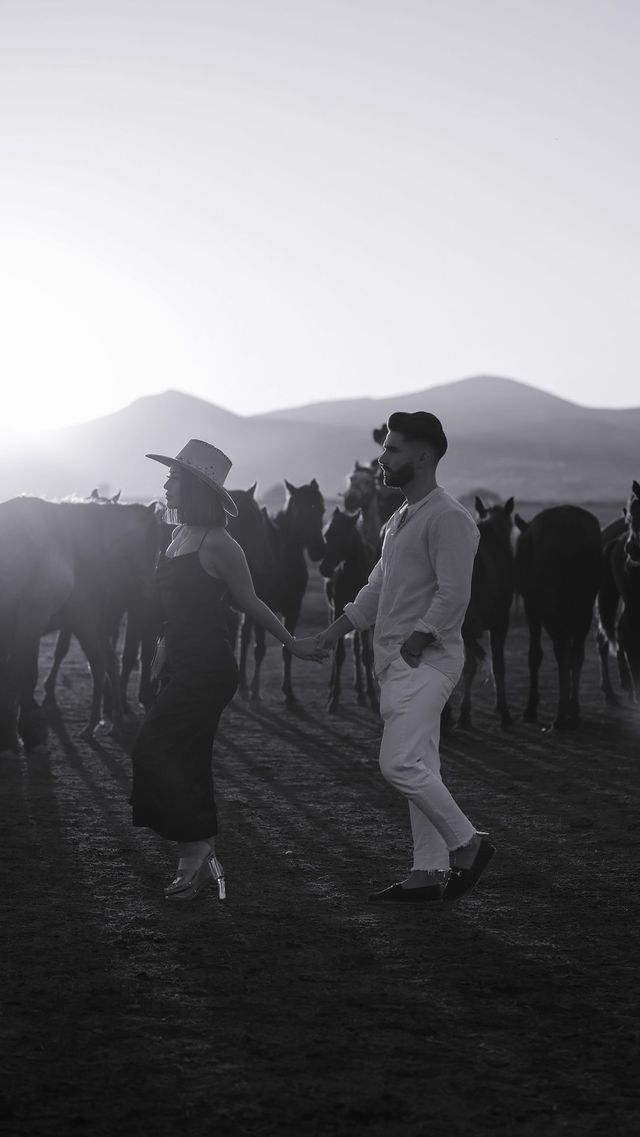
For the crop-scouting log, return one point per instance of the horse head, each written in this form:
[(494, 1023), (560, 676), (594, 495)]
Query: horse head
[(362, 489), (250, 531), (305, 511), (498, 518), (341, 540)]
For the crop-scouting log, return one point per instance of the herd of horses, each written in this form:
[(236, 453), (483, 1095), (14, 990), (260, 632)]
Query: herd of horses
[(85, 569)]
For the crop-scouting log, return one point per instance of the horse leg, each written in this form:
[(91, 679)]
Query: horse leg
[(290, 623), (535, 659), (373, 694), (130, 654), (357, 669), (245, 639), (469, 670), (32, 721), (258, 658), (607, 605), (606, 687), (497, 637), (629, 657), (96, 645), (63, 644), (576, 662), (562, 652), (336, 672)]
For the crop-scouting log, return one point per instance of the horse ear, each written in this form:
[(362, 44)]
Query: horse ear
[(635, 487), (291, 488), (252, 489), (94, 495), (508, 506), (116, 497), (314, 485), (521, 524), (479, 508)]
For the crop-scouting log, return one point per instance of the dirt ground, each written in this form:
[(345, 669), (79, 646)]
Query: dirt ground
[(296, 1008)]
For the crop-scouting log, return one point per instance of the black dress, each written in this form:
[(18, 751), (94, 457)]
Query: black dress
[(172, 777)]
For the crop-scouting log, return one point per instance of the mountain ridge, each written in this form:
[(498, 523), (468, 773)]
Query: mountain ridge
[(502, 433)]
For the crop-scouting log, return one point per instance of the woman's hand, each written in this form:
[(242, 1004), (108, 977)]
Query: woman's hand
[(309, 648)]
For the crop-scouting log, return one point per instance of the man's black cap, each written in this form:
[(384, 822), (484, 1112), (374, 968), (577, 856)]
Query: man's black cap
[(421, 426)]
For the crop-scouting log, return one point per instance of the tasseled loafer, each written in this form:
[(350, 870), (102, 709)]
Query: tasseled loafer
[(431, 894)]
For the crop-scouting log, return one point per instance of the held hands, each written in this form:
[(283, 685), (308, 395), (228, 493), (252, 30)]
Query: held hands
[(310, 648)]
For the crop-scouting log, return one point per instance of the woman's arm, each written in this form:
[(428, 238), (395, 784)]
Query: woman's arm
[(223, 557)]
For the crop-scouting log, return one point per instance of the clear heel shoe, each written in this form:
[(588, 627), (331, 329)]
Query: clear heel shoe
[(186, 886), (217, 872)]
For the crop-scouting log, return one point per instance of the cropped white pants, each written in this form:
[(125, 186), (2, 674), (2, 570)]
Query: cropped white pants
[(411, 701)]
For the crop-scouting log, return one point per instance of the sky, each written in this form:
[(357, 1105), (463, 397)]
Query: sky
[(271, 202)]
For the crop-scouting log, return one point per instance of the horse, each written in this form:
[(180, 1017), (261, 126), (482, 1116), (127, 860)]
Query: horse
[(492, 590), (250, 530), (61, 564), (558, 564), (619, 604), (346, 565), (130, 595), (361, 498), (296, 529)]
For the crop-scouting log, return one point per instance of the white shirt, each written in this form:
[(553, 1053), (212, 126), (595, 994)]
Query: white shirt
[(422, 582)]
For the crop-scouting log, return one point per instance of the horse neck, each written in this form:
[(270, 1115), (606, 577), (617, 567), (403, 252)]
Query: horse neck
[(290, 535), (371, 522)]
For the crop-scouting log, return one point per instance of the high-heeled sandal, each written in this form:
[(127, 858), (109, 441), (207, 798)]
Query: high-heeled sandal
[(188, 886)]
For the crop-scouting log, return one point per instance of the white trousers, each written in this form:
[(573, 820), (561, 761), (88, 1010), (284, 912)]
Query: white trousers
[(411, 701)]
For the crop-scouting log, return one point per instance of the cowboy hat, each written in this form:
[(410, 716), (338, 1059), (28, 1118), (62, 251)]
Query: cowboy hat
[(206, 463)]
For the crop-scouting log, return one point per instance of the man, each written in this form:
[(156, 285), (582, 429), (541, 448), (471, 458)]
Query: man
[(417, 596)]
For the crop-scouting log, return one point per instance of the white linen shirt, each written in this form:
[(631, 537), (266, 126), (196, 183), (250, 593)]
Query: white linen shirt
[(422, 582)]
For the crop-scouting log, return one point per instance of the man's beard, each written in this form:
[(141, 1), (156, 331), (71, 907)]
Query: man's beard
[(400, 477)]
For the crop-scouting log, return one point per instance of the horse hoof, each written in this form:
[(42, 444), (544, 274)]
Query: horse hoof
[(333, 707), (243, 692), (255, 697), (362, 702), (49, 699), (530, 716), (506, 721)]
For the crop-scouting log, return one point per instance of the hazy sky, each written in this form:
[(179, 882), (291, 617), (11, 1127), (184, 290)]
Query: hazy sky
[(265, 202)]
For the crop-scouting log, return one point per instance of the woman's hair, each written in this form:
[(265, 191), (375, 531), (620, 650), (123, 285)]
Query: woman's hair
[(199, 504)]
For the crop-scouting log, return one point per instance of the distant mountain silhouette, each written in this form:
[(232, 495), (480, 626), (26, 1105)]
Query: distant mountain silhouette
[(504, 435)]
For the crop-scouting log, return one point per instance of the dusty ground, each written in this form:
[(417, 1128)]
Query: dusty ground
[(296, 1009)]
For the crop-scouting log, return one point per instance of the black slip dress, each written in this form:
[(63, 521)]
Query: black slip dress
[(173, 791)]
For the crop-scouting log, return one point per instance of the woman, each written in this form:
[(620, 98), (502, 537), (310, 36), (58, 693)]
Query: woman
[(202, 568)]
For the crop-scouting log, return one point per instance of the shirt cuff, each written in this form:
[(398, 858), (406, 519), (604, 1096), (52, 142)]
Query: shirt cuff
[(359, 621), (423, 626)]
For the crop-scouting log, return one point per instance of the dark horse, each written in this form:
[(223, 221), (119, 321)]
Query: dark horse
[(346, 564), (558, 571), (280, 566), (130, 597), (251, 530), (492, 589), (296, 529), (58, 564), (619, 604)]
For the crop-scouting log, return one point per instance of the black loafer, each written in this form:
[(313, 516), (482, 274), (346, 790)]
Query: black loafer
[(396, 894), (462, 881)]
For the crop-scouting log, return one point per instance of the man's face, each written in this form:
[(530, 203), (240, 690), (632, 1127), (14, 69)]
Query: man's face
[(398, 460)]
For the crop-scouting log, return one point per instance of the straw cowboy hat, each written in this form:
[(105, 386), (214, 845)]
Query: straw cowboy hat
[(206, 463)]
